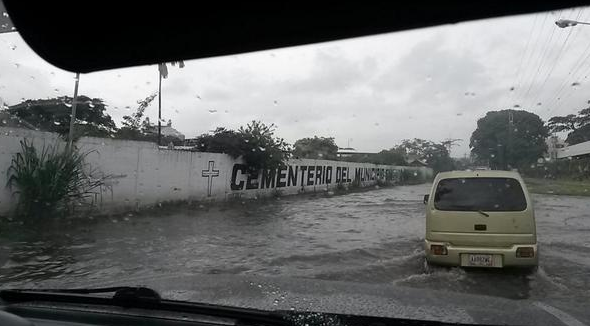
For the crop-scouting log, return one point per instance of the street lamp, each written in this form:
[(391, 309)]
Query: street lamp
[(563, 23)]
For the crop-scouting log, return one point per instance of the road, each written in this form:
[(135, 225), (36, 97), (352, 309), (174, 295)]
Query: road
[(368, 237)]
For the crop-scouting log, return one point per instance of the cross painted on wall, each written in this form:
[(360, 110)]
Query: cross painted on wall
[(210, 173)]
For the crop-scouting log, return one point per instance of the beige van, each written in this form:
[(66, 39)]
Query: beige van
[(480, 219)]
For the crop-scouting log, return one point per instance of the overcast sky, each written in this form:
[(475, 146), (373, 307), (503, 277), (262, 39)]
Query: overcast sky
[(375, 91)]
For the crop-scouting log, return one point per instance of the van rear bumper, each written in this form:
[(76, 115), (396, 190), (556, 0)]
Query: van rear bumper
[(502, 256)]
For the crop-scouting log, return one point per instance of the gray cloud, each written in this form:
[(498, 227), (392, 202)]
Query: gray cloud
[(430, 83)]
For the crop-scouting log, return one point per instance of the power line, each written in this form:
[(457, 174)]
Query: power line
[(556, 61), (541, 61), (528, 60), (519, 68), (575, 69)]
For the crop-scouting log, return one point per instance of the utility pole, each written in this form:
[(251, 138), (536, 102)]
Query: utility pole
[(508, 148), (160, 109), (73, 114)]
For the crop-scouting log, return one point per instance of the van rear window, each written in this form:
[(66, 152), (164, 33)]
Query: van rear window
[(485, 194)]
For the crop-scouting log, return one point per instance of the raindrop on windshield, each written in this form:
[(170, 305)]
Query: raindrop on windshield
[(539, 104), (226, 111), (512, 88), (428, 78), (459, 114), (5, 14), (574, 84), (276, 103), (212, 110), (492, 155), (13, 47), (56, 90), (516, 105), (17, 65), (262, 149), (176, 111), (68, 104), (127, 107), (377, 124), (4, 121), (57, 123), (199, 97)]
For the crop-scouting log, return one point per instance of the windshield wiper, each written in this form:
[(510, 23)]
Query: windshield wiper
[(483, 213), (138, 297)]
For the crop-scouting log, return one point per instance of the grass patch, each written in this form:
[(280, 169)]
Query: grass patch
[(558, 187)]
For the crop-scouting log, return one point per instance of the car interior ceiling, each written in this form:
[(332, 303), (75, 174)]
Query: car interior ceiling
[(108, 34)]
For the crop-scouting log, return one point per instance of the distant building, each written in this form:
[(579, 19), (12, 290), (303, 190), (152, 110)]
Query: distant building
[(350, 152), (167, 130), (554, 144), (577, 150)]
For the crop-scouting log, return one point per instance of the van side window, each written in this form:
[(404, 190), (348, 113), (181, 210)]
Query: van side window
[(485, 194)]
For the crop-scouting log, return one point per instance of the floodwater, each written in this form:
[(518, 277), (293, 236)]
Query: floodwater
[(368, 237)]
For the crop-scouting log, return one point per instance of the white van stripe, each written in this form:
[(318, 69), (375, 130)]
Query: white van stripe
[(559, 314)]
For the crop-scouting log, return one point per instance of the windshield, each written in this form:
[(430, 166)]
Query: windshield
[(479, 194), (294, 178)]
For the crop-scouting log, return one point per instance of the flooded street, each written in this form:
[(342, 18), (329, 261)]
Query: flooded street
[(367, 237)]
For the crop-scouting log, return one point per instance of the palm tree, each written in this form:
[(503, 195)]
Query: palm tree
[(163, 73)]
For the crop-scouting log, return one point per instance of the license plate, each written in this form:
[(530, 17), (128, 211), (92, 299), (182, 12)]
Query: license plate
[(480, 260)]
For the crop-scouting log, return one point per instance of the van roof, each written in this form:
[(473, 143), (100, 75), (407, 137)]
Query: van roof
[(480, 174)]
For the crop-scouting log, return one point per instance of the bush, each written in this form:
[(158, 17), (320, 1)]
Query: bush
[(411, 177), (255, 143), (46, 182)]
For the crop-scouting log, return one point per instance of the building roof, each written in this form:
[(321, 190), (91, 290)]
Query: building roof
[(574, 150)]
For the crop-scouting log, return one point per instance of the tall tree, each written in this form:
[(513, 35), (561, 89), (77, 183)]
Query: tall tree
[(316, 148), (393, 156), (135, 126), (578, 126), (54, 115), (505, 144), (256, 143), (434, 154)]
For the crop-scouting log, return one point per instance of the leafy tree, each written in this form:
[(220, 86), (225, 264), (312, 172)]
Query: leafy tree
[(135, 126), (579, 135), (316, 148), (54, 115), (509, 146), (393, 156), (434, 154), (563, 123), (255, 143), (222, 141), (578, 126)]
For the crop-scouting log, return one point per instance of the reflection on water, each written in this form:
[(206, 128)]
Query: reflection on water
[(372, 237)]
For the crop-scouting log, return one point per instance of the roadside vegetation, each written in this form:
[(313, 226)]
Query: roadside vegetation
[(49, 182), (558, 186)]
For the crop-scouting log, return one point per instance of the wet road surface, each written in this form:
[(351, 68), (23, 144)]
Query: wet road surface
[(367, 237)]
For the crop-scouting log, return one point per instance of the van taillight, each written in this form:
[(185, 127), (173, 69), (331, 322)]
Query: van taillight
[(525, 252), (438, 249)]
